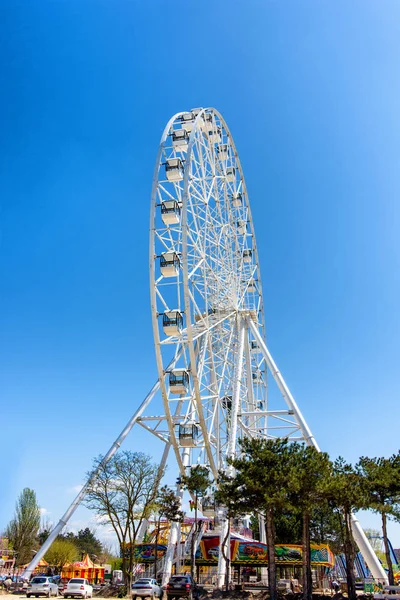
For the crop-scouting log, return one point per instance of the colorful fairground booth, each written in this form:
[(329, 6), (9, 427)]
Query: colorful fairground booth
[(247, 559), (86, 569)]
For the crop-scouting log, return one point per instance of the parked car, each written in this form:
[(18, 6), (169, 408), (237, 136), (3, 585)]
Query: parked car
[(42, 586), (182, 586), (78, 588), (145, 586)]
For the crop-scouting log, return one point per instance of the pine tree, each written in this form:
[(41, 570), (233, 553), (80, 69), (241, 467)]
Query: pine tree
[(345, 491), (310, 470), (381, 482), (23, 529), (260, 485)]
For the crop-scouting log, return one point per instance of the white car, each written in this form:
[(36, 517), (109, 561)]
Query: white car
[(78, 588), (146, 587), (42, 586)]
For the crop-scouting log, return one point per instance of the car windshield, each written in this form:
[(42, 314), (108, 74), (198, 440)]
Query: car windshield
[(143, 581), (39, 580), (76, 581), (180, 579)]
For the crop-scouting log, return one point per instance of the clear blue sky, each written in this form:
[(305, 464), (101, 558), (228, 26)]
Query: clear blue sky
[(311, 93)]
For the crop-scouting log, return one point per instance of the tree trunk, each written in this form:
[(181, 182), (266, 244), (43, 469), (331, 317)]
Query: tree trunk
[(270, 532), (349, 551), (125, 566), (307, 575), (194, 536), (387, 549)]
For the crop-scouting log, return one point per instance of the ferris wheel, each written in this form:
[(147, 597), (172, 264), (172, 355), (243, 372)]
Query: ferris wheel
[(214, 368), (205, 286), (206, 296)]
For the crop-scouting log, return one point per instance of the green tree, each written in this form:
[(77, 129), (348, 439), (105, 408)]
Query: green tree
[(197, 484), (288, 527), (167, 506), (61, 553), (345, 491), (23, 529), (326, 526), (310, 471), (123, 494), (381, 481), (260, 485), (87, 543)]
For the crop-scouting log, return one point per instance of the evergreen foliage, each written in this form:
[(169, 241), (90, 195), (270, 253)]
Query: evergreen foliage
[(23, 529), (381, 482), (345, 491), (261, 482)]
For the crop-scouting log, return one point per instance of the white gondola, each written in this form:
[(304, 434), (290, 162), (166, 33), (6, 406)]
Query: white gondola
[(254, 347), (178, 381), (222, 151), (251, 287), (247, 254), (170, 212), (180, 140), (187, 121), (208, 506), (174, 169), (214, 135), (188, 435), (257, 376), (169, 264), (196, 111), (231, 174), (207, 123), (172, 322), (226, 403), (241, 227), (236, 199)]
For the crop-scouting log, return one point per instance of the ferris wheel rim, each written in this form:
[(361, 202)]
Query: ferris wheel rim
[(153, 303)]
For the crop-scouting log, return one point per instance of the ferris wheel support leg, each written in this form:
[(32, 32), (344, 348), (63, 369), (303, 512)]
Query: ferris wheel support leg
[(367, 552), (290, 401), (224, 548), (263, 540), (249, 382), (236, 392), (72, 508), (224, 544), (175, 529), (362, 542)]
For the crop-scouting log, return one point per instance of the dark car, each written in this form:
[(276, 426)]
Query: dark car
[(182, 586)]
